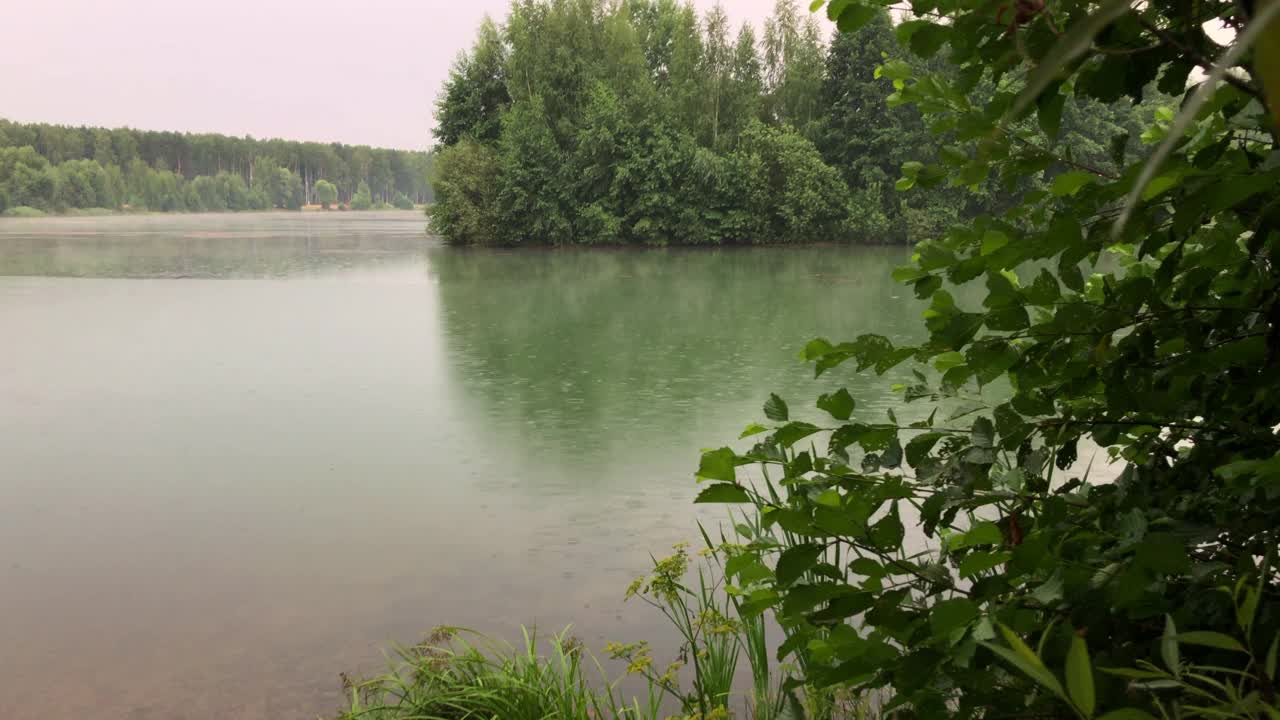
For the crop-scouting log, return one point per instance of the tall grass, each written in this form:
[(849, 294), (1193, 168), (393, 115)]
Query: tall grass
[(458, 674)]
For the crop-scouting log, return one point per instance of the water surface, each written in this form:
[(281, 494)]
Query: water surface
[(241, 453)]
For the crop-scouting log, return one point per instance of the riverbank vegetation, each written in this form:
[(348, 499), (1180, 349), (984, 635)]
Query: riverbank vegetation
[(584, 121), (56, 168), (960, 556)]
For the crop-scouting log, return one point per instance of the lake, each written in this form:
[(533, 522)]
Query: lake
[(240, 454)]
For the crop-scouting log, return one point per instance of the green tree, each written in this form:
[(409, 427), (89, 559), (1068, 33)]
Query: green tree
[(466, 183), (600, 151), (267, 181), (717, 68), (476, 92), (532, 202), (743, 96), (234, 192), (291, 191), (868, 141), (205, 194), (363, 199), (806, 197), (26, 178), (793, 56), (326, 193)]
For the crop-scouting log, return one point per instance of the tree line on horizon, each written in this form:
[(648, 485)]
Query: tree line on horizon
[(641, 121), (54, 168)]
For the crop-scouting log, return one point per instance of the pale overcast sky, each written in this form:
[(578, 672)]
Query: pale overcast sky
[(356, 72)]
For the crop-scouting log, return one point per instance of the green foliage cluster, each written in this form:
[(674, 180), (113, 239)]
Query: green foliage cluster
[(326, 193), (454, 674), (362, 199), (582, 121), (57, 168), (970, 559)]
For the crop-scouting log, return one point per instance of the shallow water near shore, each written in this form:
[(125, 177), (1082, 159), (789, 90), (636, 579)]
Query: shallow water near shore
[(239, 454)]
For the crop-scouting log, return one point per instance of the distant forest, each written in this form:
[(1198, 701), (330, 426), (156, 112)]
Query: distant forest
[(54, 168), (644, 122)]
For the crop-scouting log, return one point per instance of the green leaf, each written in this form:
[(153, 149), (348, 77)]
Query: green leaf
[(888, 532), (1024, 659), (1044, 289), (1049, 111), (795, 561), (907, 274), (981, 561), (829, 497), (791, 433), (1161, 184), (723, 493), (993, 240), (776, 409), (983, 434), (740, 562), (790, 520), (1169, 646), (1080, 676), (753, 429), (919, 446), (948, 360), (1246, 610), (1211, 639), (816, 348), (896, 70), (718, 465), (1070, 182), (892, 455), (854, 16), (929, 39), (867, 567), (983, 533), (1050, 591), (838, 404), (1134, 674), (1070, 274), (948, 615)]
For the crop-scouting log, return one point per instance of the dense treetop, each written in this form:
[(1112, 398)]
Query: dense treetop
[(585, 121)]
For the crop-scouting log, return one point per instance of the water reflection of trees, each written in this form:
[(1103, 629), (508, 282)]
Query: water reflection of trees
[(600, 350)]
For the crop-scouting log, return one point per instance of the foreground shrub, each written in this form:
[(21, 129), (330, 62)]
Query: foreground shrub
[(963, 560)]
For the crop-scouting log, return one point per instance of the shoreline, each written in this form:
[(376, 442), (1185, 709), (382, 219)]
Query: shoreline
[(29, 213)]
